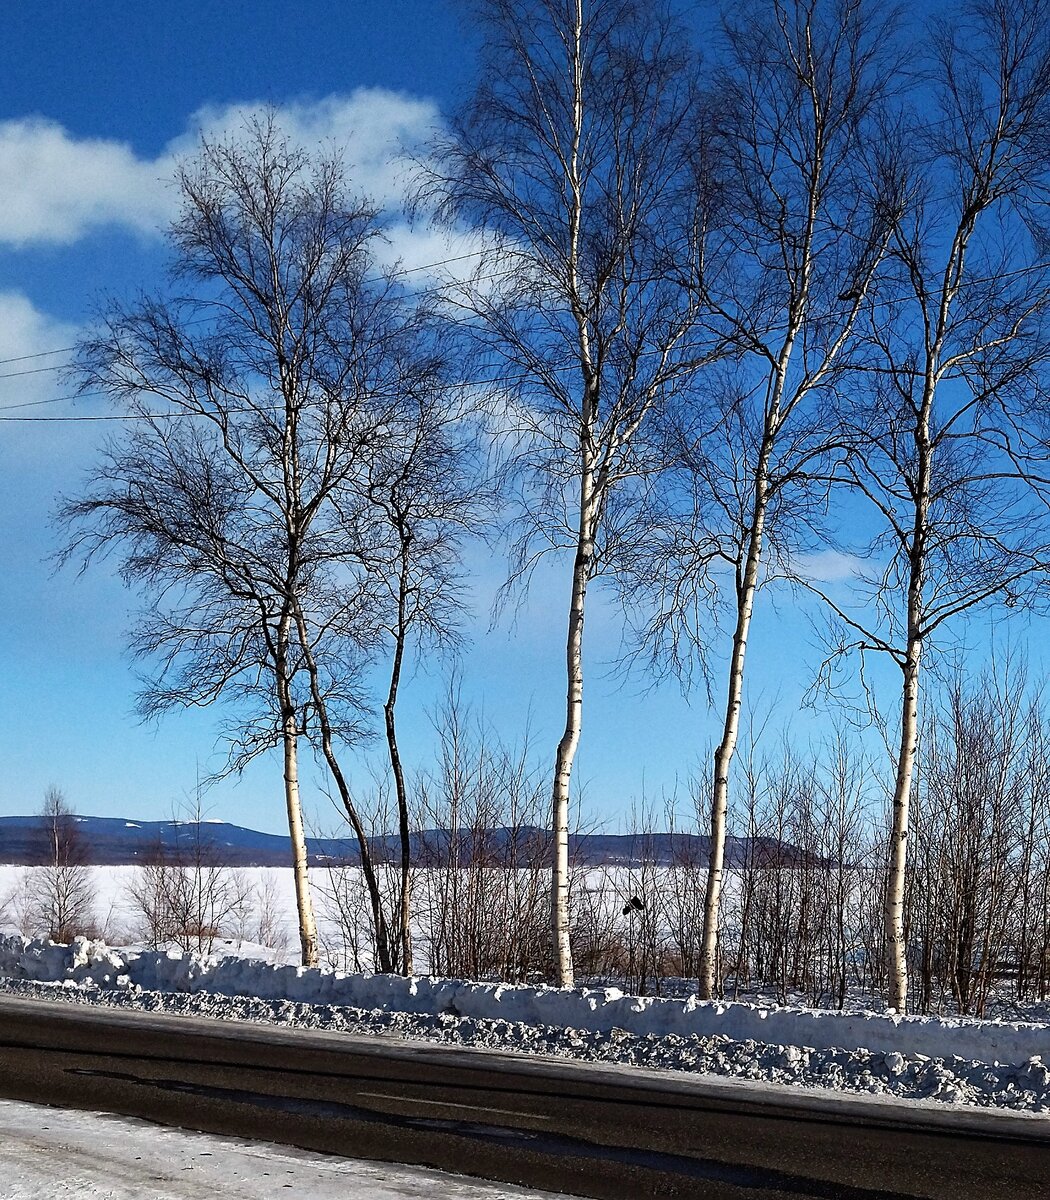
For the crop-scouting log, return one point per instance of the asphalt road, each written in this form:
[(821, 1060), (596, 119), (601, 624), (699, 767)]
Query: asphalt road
[(606, 1132)]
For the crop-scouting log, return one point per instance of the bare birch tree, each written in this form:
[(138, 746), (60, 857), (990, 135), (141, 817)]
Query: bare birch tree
[(948, 453), (576, 157), (801, 227), (60, 895), (251, 398), (425, 492)]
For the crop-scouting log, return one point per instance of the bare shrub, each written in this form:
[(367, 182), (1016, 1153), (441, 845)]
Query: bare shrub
[(15, 904), (801, 923), (348, 898), (686, 882), (60, 897), (187, 896), (975, 903), (483, 902), (267, 926)]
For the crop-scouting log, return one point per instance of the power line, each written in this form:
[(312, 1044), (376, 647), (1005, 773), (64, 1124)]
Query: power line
[(399, 274), (39, 354), (182, 413), (461, 385), (49, 400), (109, 417), (37, 370), (505, 379), (1033, 268), (432, 266), (53, 400)]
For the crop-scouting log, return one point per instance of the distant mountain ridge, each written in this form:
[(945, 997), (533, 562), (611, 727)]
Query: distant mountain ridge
[(116, 841)]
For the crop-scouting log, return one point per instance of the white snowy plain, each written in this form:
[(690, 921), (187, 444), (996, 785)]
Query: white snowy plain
[(48, 1152), (953, 1060)]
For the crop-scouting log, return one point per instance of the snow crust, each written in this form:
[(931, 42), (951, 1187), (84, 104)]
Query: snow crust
[(957, 1060), (47, 1152)]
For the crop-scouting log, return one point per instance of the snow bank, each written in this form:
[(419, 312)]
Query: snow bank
[(592, 1010)]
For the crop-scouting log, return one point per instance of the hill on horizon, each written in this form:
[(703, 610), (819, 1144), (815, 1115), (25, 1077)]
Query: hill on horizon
[(118, 841)]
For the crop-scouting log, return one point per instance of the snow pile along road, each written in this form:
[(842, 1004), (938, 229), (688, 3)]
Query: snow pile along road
[(591, 1009), (956, 1060)]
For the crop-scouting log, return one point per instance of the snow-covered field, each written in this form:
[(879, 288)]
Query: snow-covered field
[(47, 1152), (118, 918), (954, 1060)]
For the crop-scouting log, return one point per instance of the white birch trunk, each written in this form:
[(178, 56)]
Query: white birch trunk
[(723, 759), (293, 805), (570, 739), (896, 879), (708, 978), (303, 899), (896, 944)]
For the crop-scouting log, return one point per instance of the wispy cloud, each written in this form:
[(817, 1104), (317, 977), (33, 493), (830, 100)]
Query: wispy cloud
[(24, 329), (827, 566), (28, 387), (376, 132), (57, 188)]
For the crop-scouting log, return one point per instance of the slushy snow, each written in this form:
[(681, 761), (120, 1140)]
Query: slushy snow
[(47, 1152), (957, 1060)]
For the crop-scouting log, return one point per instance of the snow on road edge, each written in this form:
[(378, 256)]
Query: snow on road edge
[(981, 1063), (591, 1009)]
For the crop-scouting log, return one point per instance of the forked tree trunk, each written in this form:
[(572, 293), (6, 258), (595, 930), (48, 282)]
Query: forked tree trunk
[(375, 899)]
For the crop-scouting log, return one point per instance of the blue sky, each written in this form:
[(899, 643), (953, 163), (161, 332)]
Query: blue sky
[(98, 101)]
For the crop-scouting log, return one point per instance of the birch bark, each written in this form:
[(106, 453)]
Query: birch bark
[(746, 589), (293, 805), (570, 739)]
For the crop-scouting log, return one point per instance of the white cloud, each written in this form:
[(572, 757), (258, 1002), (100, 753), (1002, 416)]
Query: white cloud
[(24, 329), (32, 344), (374, 131), (56, 188), (431, 254)]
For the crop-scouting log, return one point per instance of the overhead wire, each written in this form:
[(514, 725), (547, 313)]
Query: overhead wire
[(1031, 269), (465, 384), (391, 275), (398, 274)]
